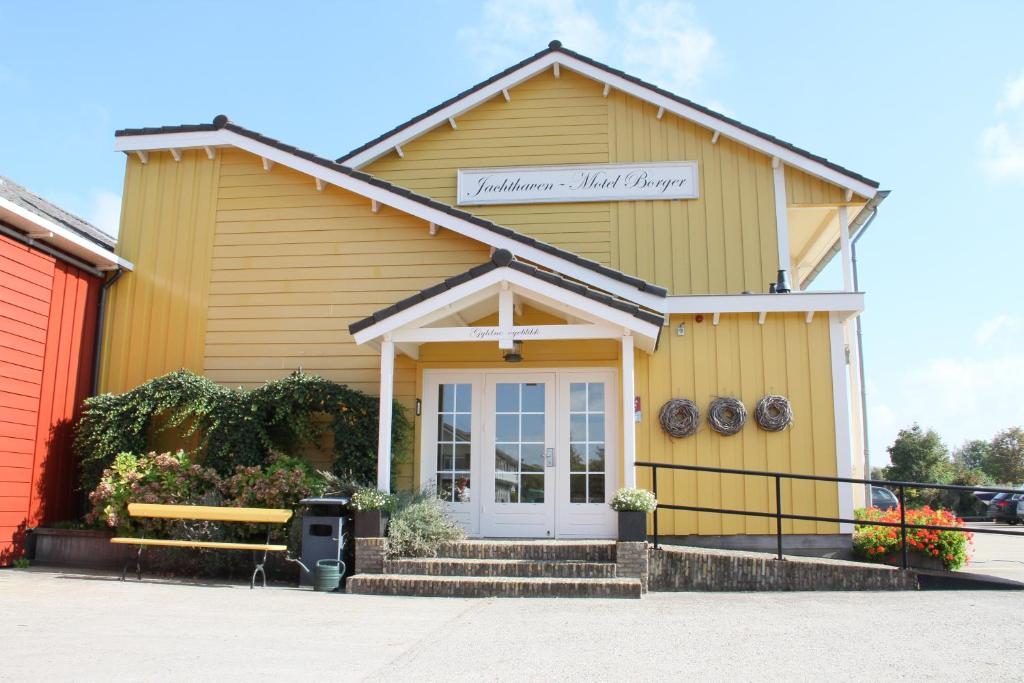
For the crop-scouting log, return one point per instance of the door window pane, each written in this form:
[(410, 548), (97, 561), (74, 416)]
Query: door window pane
[(586, 442), (519, 443), (454, 434)]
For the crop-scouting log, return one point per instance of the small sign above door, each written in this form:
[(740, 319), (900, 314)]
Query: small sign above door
[(581, 183)]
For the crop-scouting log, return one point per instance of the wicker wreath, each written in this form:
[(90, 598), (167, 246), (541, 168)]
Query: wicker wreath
[(773, 413), (727, 415), (679, 417)]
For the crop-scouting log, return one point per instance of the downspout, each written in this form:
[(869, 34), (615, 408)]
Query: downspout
[(101, 310), (860, 353)]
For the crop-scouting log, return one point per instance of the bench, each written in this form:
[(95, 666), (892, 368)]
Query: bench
[(208, 514)]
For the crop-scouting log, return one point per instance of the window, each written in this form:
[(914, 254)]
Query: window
[(454, 437), (586, 442)]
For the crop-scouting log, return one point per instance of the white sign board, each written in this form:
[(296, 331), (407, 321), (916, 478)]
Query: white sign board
[(582, 183)]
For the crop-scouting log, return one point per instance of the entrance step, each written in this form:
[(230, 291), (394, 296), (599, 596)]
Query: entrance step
[(458, 566), (564, 551), (492, 586)]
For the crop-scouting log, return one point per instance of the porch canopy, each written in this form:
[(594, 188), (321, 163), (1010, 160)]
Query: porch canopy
[(443, 313)]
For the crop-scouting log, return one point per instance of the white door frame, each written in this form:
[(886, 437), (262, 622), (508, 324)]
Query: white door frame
[(570, 519)]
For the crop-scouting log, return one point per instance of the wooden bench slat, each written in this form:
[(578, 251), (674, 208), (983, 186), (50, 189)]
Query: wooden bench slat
[(125, 540), (210, 513)]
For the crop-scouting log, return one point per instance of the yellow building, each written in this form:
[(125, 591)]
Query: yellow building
[(534, 268)]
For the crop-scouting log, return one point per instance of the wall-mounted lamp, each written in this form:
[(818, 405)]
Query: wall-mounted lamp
[(515, 355), (681, 330)]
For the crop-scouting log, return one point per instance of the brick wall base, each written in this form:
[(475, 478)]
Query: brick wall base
[(700, 569), (631, 562), (369, 556)]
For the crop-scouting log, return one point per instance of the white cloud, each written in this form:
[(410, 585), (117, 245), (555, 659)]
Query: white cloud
[(106, 211), (665, 40), (661, 41), (969, 397), (988, 329), (1002, 144)]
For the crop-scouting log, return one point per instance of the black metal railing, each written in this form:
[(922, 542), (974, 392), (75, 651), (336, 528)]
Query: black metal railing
[(779, 516)]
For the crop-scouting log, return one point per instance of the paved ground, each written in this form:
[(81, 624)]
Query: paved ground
[(63, 626), (996, 554)]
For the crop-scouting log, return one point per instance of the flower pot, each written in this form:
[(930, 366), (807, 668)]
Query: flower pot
[(915, 560), (370, 523), (632, 526)]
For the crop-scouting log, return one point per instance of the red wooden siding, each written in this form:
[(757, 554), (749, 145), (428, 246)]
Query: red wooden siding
[(47, 333)]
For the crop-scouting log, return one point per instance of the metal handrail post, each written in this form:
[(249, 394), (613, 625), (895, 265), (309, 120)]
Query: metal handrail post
[(778, 515), (903, 525), (654, 485)]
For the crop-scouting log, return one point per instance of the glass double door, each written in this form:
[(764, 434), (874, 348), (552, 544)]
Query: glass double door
[(522, 454)]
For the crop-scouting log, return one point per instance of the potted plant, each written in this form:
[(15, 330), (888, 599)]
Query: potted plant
[(372, 508), (633, 506)]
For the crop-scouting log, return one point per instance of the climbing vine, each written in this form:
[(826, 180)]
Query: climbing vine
[(225, 428)]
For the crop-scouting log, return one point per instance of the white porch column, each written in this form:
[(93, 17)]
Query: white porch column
[(844, 249), (628, 425), (387, 393)]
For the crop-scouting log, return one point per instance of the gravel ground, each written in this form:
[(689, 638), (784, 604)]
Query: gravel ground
[(62, 626)]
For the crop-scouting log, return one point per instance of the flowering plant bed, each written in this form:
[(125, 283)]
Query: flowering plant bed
[(925, 547)]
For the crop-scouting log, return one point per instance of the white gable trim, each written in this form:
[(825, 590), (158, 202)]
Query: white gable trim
[(542, 64), (45, 230), (843, 304), (224, 137), (608, 318)]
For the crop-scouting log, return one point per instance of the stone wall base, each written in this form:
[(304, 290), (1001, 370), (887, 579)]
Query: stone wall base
[(632, 562), (834, 546)]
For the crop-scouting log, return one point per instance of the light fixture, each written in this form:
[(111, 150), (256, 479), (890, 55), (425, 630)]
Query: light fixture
[(681, 330), (515, 355)]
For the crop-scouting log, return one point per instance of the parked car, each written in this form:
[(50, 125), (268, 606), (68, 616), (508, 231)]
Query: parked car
[(884, 499), (1004, 507), (985, 496)]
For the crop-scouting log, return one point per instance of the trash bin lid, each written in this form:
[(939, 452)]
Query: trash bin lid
[(325, 500)]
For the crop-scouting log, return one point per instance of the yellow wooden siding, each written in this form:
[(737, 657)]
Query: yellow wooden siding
[(807, 190), (292, 267), (743, 359), (738, 357), (548, 121), (723, 242), (156, 314)]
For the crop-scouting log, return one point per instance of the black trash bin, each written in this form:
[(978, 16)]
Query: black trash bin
[(323, 534)]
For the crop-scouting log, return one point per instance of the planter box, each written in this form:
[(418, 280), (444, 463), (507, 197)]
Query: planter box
[(76, 548), (915, 560), (632, 526), (370, 523)]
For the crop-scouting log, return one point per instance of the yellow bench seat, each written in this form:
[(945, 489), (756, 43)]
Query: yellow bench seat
[(210, 513), (126, 540)]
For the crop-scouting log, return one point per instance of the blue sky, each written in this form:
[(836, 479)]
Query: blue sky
[(927, 98)]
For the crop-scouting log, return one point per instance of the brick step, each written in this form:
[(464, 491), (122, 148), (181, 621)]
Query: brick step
[(487, 586), (566, 551), (456, 566)]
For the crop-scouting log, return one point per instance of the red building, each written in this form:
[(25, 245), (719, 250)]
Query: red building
[(53, 267)]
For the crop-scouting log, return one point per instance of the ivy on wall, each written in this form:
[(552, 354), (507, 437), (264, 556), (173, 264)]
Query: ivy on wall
[(226, 427)]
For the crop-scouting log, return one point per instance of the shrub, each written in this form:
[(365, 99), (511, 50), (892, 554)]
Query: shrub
[(369, 498), (634, 500), (883, 543), (419, 529), (170, 478), (232, 427)]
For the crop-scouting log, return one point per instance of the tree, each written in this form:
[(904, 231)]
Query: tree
[(973, 455), (919, 455), (1006, 460)]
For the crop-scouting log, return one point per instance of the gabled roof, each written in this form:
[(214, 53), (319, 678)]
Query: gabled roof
[(223, 132), (48, 227), (615, 78), (504, 259), (30, 201)]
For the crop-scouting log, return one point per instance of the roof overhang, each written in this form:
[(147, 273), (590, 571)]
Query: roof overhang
[(426, 209), (721, 125), (40, 229), (845, 304), (427, 321)]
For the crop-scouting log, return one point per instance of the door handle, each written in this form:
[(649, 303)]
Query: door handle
[(549, 453)]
